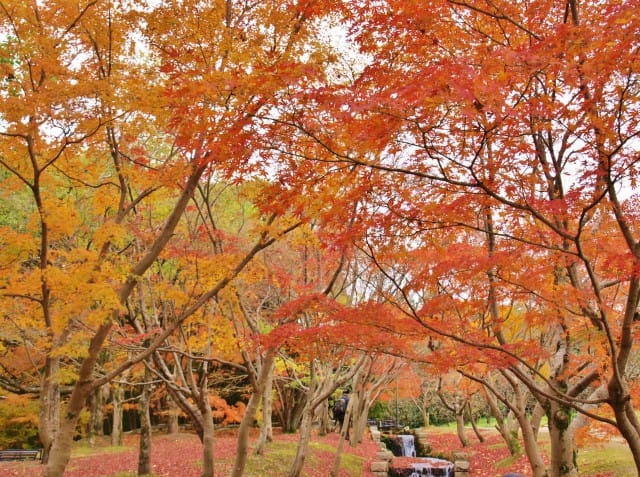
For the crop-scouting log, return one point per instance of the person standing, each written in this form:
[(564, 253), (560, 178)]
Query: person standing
[(340, 410)]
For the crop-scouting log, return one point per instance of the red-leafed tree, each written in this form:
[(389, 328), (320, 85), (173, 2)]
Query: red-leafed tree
[(492, 145)]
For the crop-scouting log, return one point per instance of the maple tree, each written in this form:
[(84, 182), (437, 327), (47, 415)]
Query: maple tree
[(84, 110), (479, 132), (480, 155)]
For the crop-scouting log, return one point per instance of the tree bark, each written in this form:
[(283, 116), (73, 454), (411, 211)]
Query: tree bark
[(473, 423), (250, 413), (49, 414), (208, 436), (173, 426), (303, 444), (266, 431), (462, 435), (563, 450), (97, 412), (116, 425), (144, 451)]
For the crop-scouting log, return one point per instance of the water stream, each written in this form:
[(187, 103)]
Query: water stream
[(427, 466)]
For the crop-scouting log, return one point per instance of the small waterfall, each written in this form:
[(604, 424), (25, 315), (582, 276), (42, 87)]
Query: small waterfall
[(432, 467), (408, 442), (422, 466)]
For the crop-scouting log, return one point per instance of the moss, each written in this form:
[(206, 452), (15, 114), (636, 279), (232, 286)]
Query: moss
[(392, 444)]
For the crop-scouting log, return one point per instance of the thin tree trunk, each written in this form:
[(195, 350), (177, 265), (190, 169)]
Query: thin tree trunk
[(249, 415), (97, 412), (116, 426), (462, 435), (473, 423), (49, 422), (144, 451), (61, 448), (354, 403), (208, 435), (303, 444), (343, 437), (626, 420), (323, 418), (531, 448), (173, 426), (266, 431), (536, 418)]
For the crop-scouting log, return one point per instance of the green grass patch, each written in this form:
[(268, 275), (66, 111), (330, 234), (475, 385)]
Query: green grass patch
[(275, 460), (87, 450), (612, 457), (278, 456), (507, 462), (351, 463)]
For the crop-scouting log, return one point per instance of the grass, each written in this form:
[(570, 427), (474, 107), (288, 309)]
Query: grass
[(351, 463), (274, 462), (614, 456), (594, 460), (278, 458)]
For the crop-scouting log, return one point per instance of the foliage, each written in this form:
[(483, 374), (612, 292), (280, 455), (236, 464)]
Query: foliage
[(18, 422), (409, 414), (145, 161)]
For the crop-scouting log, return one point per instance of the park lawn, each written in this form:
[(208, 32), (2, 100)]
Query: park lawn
[(179, 455)]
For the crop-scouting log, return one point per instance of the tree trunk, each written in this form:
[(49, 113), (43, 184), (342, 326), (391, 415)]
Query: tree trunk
[(626, 419), (173, 425), (208, 434), (97, 412), (343, 437), (425, 416), (292, 402), (242, 448), (249, 415), (49, 415), (303, 444), (563, 451), (505, 424), (536, 418), (323, 418), (61, 449), (462, 435), (266, 431), (531, 448), (473, 424), (116, 426), (144, 452), (359, 413)]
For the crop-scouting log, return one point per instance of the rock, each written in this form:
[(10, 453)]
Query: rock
[(379, 466), (461, 467), (384, 455)]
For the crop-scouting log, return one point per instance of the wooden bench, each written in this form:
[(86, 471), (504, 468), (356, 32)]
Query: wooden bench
[(20, 454)]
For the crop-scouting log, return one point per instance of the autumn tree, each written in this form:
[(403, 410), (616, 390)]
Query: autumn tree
[(92, 132), (483, 131)]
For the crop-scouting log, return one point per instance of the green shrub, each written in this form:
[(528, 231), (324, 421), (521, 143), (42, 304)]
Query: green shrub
[(18, 422)]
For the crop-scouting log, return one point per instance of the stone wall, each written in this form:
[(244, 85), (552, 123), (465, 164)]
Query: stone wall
[(380, 466)]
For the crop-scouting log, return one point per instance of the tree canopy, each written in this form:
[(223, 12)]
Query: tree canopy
[(449, 182)]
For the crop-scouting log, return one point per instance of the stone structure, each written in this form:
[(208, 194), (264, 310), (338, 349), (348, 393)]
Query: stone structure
[(380, 466), (461, 468)]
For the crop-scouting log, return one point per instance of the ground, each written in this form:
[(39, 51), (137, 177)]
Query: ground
[(178, 455)]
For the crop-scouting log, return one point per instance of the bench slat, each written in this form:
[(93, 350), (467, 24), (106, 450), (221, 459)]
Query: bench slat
[(20, 454)]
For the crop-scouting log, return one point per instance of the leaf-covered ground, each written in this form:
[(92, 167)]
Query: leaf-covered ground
[(179, 456)]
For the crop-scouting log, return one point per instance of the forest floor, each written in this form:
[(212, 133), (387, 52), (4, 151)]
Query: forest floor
[(178, 455)]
